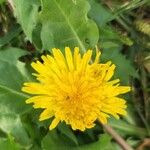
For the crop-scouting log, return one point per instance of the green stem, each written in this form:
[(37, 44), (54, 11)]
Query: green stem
[(129, 129)]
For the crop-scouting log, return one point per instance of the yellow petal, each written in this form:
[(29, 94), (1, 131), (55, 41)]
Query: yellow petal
[(60, 59), (76, 56), (46, 114), (38, 66), (85, 60), (33, 88), (114, 81), (54, 123), (103, 117), (110, 73), (69, 59), (98, 54), (123, 89)]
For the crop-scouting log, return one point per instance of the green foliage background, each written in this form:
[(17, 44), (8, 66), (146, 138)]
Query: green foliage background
[(28, 29)]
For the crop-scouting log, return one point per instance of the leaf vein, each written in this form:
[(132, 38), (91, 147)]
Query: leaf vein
[(71, 27)]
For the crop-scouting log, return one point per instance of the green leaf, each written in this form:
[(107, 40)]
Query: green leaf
[(9, 144), (127, 129), (26, 12), (2, 1), (12, 101), (104, 143), (10, 35), (108, 34), (56, 141), (12, 76), (111, 43), (65, 23), (99, 13), (124, 68), (11, 124), (64, 129)]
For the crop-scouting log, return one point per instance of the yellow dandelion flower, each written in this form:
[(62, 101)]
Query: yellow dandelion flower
[(73, 89)]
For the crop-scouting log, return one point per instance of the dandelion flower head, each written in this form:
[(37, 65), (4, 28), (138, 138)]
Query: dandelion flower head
[(73, 89)]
